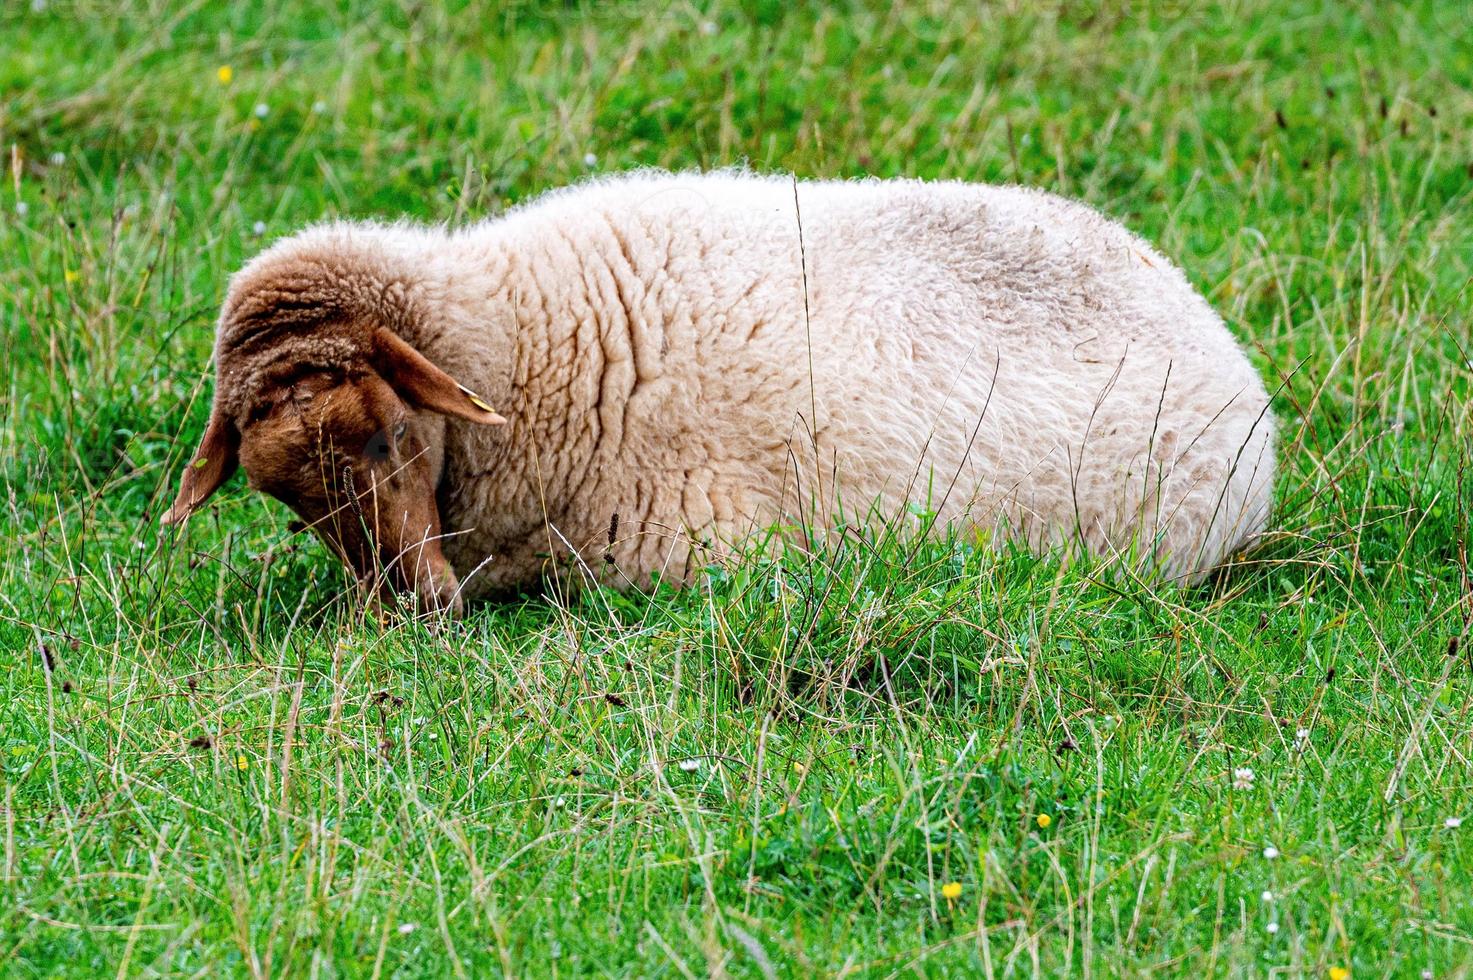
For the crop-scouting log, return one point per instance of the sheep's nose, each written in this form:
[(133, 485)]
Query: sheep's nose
[(441, 593), (446, 602), (456, 608)]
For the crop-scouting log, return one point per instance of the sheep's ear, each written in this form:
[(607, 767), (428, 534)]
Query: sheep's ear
[(216, 458), (422, 384)]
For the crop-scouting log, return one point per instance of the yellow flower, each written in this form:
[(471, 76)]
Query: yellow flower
[(242, 763), (71, 275), (1044, 820), (951, 891), (1339, 973), (224, 73)]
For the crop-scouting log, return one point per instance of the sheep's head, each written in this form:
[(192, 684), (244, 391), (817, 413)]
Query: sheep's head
[(356, 451)]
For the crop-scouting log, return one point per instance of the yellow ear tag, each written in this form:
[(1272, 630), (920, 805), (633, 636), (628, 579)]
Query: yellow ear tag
[(475, 399), (200, 463)]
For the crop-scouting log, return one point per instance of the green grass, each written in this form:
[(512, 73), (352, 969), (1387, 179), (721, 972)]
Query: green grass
[(211, 763)]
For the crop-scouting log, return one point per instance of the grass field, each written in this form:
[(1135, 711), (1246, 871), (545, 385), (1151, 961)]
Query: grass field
[(879, 760)]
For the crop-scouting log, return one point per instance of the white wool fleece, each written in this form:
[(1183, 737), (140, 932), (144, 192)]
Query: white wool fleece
[(668, 349)]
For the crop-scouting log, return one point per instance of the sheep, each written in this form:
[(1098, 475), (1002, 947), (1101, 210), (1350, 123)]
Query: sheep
[(679, 361)]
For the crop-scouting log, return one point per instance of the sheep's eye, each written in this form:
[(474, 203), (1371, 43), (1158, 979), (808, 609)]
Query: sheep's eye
[(399, 430), (377, 447)]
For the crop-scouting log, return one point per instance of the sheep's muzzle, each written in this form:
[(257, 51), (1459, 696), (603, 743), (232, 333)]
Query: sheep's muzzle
[(389, 535)]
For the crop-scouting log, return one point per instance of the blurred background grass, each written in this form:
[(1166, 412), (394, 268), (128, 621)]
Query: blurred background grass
[(211, 763)]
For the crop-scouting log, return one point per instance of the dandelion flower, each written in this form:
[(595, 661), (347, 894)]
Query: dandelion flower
[(224, 73), (951, 891), (71, 275), (1270, 852), (1243, 778), (1453, 823), (1044, 820), (1339, 973), (242, 763)]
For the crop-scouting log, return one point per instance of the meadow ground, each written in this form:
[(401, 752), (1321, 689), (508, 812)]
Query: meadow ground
[(883, 759)]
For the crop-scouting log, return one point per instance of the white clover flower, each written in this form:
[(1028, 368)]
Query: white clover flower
[(1267, 896), (22, 208), (1270, 852), (38, 6), (708, 28), (590, 160), (1243, 778), (1271, 928), (1301, 739), (689, 765), (58, 158), (405, 928), (319, 107), (1453, 823), (259, 228), (262, 110)]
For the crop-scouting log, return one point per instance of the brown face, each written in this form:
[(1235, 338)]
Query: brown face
[(354, 462), (357, 457)]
